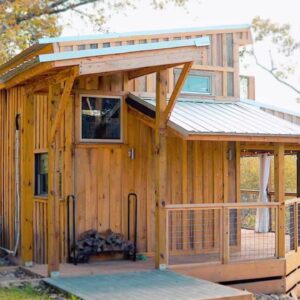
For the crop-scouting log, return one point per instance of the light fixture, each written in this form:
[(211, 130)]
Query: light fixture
[(131, 153), (230, 154)]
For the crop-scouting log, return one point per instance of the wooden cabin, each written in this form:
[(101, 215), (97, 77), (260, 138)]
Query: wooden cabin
[(157, 114)]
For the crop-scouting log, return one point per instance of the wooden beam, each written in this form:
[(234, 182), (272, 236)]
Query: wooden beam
[(298, 174), (280, 196), (62, 104), (53, 188), (161, 259), (43, 84), (243, 138), (148, 70), (130, 61), (28, 74), (177, 89), (27, 177)]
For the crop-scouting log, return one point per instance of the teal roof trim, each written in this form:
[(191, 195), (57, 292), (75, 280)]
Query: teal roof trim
[(204, 41), (140, 33)]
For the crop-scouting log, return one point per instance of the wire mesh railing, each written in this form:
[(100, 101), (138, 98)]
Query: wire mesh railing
[(251, 234), (194, 235), (289, 227), (229, 232)]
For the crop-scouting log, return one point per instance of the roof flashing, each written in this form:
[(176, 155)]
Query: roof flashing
[(63, 39), (198, 42)]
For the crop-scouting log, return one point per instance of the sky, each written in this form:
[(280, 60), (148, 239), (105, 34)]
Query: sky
[(199, 13)]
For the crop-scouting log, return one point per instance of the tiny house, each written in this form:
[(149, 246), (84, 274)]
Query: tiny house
[(158, 114)]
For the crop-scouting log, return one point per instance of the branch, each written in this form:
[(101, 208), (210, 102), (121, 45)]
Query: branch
[(271, 72), (53, 9)]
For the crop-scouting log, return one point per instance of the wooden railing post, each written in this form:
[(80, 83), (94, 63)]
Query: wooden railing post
[(280, 196), (225, 234)]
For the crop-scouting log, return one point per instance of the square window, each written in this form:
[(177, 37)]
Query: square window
[(197, 84), (106, 45), (93, 46), (41, 174), (101, 119), (81, 47)]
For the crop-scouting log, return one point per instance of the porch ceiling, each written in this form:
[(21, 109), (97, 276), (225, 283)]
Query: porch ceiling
[(223, 120)]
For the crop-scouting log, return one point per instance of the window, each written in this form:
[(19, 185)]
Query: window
[(41, 174), (81, 47), (197, 84), (94, 46), (106, 45), (101, 118)]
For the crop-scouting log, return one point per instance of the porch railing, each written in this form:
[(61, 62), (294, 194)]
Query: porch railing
[(229, 232)]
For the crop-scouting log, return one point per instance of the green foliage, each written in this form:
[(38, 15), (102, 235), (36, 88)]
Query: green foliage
[(250, 173), (30, 293), (21, 293), (25, 21)]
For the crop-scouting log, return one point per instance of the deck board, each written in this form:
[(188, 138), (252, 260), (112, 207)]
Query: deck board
[(145, 285)]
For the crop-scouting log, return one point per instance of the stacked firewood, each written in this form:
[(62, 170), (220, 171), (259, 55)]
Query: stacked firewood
[(92, 242)]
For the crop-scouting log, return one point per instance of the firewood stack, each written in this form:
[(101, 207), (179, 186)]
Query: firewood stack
[(92, 242)]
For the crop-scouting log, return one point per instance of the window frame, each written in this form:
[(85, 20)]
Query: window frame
[(103, 141), (36, 194), (200, 93), (199, 73)]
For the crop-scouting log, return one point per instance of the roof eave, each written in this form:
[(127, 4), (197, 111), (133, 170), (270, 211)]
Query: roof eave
[(244, 137)]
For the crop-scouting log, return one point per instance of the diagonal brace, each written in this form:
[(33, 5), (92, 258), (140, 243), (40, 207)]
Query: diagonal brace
[(62, 104), (177, 89)]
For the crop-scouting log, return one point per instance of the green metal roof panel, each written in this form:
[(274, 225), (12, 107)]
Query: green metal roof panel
[(140, 33), (204, 41)]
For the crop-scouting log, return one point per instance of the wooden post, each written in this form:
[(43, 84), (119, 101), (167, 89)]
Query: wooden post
[(53, 189), (280, 195), (185, 214), (225, 232), (298, 175), (57, 104), (27, 183), (161, 171), (296, 232)]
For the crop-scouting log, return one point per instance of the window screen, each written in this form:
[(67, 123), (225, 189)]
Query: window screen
[(100, 118), (197, 84), (41, 174)]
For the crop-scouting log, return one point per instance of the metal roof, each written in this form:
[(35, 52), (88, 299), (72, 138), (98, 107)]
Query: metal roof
[(141, 33), (204, 41), (293, 110), (224, 118)]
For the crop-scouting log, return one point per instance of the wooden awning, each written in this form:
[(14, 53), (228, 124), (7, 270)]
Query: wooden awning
[(138, 60)]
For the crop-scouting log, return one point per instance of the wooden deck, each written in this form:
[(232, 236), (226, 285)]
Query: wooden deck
[(99, 267), (145, 285)]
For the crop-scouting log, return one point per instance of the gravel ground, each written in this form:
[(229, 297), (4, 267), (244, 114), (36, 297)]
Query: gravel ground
[(272, 297)]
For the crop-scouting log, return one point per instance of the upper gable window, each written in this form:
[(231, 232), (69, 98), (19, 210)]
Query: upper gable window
[(198, 84), (101, 119)]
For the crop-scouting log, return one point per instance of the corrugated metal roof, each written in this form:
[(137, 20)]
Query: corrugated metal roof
[(224, 118), (204, 41), (291, 109), (141, 33)]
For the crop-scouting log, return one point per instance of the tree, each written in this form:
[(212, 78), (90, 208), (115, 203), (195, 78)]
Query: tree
[(280, 60), (25, 21)]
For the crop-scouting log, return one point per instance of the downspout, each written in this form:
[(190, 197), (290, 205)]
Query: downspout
[(17, 186)]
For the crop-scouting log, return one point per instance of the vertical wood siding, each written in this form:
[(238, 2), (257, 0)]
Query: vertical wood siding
[(10, 106)]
